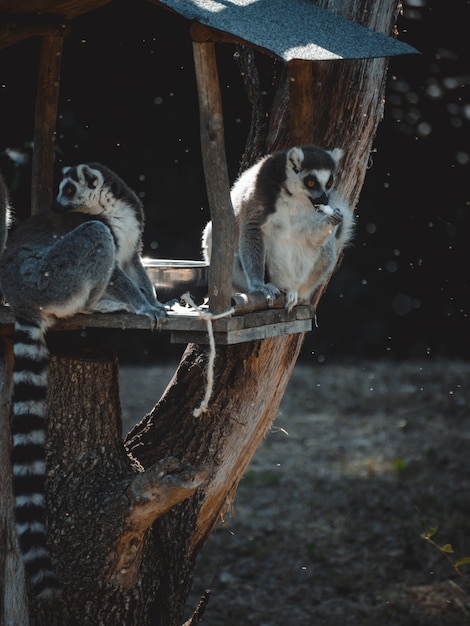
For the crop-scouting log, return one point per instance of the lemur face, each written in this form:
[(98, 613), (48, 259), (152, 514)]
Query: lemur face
[(317, 183), (312, 172), (81, 189)]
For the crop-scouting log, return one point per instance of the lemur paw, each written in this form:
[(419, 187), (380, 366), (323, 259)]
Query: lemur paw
[(292, 297), (155, 311), (269, 290), (337, 216)]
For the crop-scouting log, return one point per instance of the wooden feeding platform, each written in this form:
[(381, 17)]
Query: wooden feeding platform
[(304, 34), (186, 324)]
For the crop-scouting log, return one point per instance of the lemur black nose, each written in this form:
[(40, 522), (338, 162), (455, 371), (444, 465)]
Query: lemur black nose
[(323, 199), (57, 207)]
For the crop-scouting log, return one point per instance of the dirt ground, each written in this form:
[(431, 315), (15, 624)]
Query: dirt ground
[(362, 462)]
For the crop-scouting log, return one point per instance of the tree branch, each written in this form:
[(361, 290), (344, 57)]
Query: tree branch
[(152, 493)]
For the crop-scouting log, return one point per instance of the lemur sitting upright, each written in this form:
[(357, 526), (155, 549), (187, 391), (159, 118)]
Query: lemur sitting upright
[(291, 225), (82, 255)]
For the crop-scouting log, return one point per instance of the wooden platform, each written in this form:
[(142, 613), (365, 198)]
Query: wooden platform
[(186, 325)]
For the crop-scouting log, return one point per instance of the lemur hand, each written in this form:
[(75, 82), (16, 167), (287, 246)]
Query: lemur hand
[(157, 313), (269, 290)]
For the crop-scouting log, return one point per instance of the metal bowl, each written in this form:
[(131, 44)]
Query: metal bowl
[(172, 278)]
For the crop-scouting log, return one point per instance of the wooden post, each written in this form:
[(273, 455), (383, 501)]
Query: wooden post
[(216, 176), (300, 101), (45, 122)]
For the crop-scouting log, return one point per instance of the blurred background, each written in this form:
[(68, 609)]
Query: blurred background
[(128, 99)]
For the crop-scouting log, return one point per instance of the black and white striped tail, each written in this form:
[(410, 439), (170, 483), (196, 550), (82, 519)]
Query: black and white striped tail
[(29, 431)]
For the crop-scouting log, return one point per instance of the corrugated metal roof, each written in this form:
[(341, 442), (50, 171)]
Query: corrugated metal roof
[(291, 29)]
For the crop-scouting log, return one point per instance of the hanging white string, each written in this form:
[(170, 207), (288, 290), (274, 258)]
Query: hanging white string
[(208, 318)]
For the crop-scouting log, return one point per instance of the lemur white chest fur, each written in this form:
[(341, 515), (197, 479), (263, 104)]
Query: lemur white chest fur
[(293, 238), (126, 230), (291, 224), (81, 255)]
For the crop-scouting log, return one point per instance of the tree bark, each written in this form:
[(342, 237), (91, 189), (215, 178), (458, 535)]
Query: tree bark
[(102, 504), (128, 519)]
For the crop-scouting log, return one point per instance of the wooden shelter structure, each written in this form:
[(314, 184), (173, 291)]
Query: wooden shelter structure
[(251, 377), (300, 36)]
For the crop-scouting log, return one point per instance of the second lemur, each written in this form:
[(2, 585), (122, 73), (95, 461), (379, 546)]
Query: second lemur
[(82, 255), (291, 224)]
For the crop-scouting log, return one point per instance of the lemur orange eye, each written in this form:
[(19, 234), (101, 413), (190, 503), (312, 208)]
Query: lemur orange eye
[(329, 184), (69, 190), (310, 183)]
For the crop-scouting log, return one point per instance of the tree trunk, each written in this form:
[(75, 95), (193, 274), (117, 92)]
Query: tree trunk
[(127, 519)]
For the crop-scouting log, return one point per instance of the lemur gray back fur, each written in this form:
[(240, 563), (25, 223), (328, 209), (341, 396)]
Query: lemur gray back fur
[(291, 224), (83, 254)]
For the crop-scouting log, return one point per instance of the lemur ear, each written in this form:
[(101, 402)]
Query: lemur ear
[(65, 170), (295, 157), (336, 154), (91, 176)]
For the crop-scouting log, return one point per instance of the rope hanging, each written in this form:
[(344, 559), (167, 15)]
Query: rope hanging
[(208, 318)]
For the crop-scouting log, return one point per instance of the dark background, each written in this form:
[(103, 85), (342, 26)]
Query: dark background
[(128, 99)]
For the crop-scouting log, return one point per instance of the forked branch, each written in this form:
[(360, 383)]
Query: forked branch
[(151, 493)]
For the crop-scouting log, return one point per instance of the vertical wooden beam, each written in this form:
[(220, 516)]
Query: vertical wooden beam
[(45, 122), (301, 104), (216, 176)]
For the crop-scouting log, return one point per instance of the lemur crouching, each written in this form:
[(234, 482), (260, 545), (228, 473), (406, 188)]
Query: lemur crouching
[(82, 255)]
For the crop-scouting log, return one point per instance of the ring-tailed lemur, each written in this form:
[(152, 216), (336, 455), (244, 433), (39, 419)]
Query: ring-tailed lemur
[(290, 224), (83, 255)]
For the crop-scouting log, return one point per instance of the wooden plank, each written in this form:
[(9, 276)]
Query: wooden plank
[(37, 8), (45, 123), (216, 176), (243, 335), (32, 18), (270, 330), (276, 316), (186, 325), (36, 26), (203, 33), (182, 319)]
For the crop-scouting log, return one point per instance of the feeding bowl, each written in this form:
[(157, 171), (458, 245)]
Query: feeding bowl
[(174, 277)]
